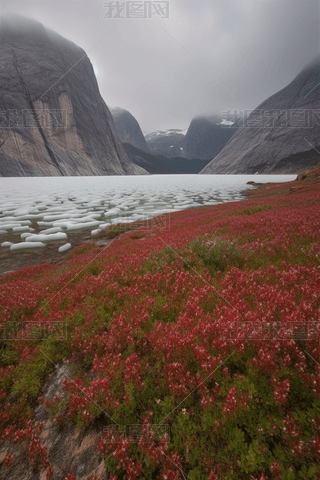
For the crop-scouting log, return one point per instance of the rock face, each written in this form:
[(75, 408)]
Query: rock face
[(310, 174), (206, 137), (69, 449), (129, 129), (287, 143), (53, 120)]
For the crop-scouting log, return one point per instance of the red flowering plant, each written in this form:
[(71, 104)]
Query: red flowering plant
[(210, 328)]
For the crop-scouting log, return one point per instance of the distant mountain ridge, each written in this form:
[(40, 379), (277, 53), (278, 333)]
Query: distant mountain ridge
[(204, 139), (129, 129), (163, 151), (168, 143), (53, 120), (285, 138), (173, 150), (158, 164)]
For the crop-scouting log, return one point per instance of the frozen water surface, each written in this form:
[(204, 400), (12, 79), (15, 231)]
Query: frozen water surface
[(69, 204)]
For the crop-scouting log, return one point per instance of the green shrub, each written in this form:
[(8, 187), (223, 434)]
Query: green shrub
[(251, 211), (217, 255)]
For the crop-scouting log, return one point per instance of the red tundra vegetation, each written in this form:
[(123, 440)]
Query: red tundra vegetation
[(193, 348)]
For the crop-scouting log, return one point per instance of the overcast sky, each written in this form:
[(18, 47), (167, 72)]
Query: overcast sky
[(209, 56)]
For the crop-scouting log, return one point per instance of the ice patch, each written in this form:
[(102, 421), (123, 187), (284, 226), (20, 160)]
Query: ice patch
[(20, 229), (21, 218), (113, 211), (225, 122), (104, 225), (9, 226), (51, 230), (25, 235), (81, 226), (64, 248), (48, 237), (121, 220), (25, 245), (45, 224)]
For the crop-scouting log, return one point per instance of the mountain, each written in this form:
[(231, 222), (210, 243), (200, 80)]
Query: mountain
[(168, 143), (159, 164), (206, 137), (287, 143), (155, 152), (129, 129), (53, 120)]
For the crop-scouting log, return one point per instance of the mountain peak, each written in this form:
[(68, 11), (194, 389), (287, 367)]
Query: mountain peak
[(54, 120), (129, 129), (281, 135)]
